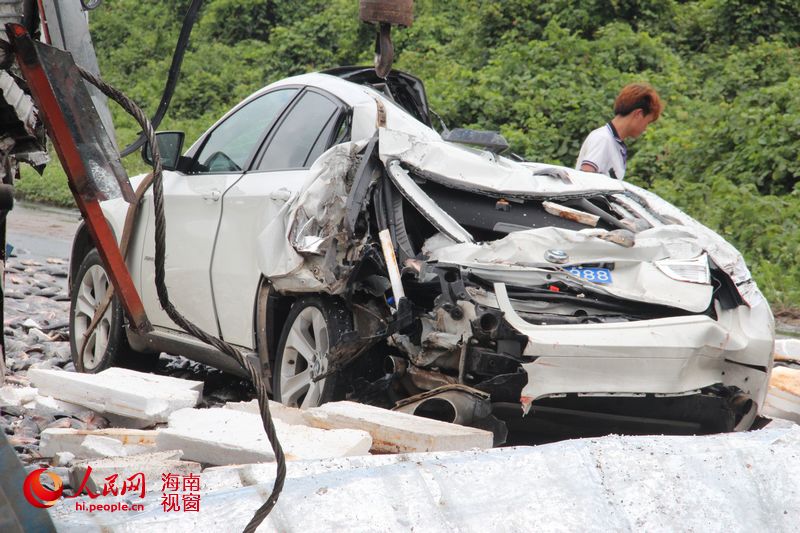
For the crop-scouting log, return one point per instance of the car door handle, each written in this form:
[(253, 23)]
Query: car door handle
[(213, 195)]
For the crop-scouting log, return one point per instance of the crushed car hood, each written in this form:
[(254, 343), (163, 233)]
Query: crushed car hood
[(520, 257), (676, 235), (457, 166)]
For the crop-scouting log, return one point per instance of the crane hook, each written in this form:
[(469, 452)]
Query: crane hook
[(88, 5), (384, 50)]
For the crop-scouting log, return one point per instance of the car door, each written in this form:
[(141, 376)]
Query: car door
[(315, 122), (193, 205)]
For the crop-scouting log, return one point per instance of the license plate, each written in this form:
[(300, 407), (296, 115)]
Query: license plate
[(595, 275)]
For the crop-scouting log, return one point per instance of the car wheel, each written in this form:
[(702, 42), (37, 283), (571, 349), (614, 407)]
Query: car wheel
[(313, 326), (107, 345)]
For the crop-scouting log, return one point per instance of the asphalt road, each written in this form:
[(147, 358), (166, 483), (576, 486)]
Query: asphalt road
[(38, 232)]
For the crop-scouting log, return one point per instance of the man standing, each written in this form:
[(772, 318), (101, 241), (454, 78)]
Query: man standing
[(604, 150)]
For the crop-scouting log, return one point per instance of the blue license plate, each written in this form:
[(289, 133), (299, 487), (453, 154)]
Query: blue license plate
[(595, 275)]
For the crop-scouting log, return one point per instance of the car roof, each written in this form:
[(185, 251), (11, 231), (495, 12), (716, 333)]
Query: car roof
[(350, 93)]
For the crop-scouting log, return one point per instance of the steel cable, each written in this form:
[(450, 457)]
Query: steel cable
[(163, 297), (172, 77)]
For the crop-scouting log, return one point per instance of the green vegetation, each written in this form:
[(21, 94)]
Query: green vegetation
[(543, 72)]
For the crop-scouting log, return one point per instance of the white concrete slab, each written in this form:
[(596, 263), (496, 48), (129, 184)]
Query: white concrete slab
[(787, 349), (120, 391), (74, 441), (152, 465), (731, 482), (783, 396), (284, 413), (49, 406), (227, 436), (11, 396), (394, 432)]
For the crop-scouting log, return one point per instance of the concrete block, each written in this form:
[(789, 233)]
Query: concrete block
[(284, 413), (394, 432), (783, 397), (129, 442), (98, 446), (63, 458), (152, 465), (227, 436), (49, 406), (11, 396), (120, 391), (787, 349)]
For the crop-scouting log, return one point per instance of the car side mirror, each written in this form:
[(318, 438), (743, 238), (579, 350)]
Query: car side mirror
[(170, 145), (488, 140)]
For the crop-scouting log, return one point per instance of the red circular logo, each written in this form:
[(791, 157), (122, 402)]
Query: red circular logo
[(37, 494)]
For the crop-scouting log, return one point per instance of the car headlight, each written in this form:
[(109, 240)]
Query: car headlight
[(692, 270)]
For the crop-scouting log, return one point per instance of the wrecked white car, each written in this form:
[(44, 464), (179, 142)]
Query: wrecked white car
[(327, 229)]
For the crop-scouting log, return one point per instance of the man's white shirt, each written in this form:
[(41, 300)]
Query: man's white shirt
[(605, 151)]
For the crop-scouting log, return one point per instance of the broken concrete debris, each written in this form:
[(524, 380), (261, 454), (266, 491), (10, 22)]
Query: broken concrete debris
[(65, 428), (783, 397), (284, 413), (120, 391), (228, 436), (111, 442), (739, 482), (11, 396), (391, 431), (395, 432), (787, 350)]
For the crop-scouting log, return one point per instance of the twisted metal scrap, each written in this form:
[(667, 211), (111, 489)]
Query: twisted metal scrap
[(178, 318)]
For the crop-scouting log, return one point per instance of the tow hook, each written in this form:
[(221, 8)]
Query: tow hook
[(384, 13)]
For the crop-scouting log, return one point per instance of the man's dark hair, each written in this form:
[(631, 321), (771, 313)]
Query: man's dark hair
[(638, 96)]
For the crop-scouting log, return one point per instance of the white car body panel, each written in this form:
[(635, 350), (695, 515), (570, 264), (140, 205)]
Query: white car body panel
[(458, 166), (193, 206), (248, 207), (668, 356)]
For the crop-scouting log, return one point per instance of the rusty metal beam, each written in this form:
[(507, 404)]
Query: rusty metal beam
[(87, 189)]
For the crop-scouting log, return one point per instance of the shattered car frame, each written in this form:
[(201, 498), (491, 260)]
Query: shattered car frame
[(520, 290)]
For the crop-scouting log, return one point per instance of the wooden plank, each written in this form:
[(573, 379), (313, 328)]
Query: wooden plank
[(571, 214)]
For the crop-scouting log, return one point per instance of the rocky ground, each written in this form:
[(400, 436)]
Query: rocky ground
[(36, 332)]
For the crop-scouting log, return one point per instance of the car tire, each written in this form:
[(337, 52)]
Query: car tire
[(108, 344), (313, 325)]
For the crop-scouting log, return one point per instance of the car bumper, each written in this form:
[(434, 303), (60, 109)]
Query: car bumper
[(666, 356)]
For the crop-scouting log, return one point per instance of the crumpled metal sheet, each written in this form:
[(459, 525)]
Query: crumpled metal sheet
[(461, 167), (635, 277), (22, 137), (466, 168), (303, 248), (724, 254)]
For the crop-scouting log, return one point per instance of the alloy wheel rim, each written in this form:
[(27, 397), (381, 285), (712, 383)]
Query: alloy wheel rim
[(91, 291), (306, 346)]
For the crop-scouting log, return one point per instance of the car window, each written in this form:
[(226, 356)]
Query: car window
[(231, 144), (305, 132)]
